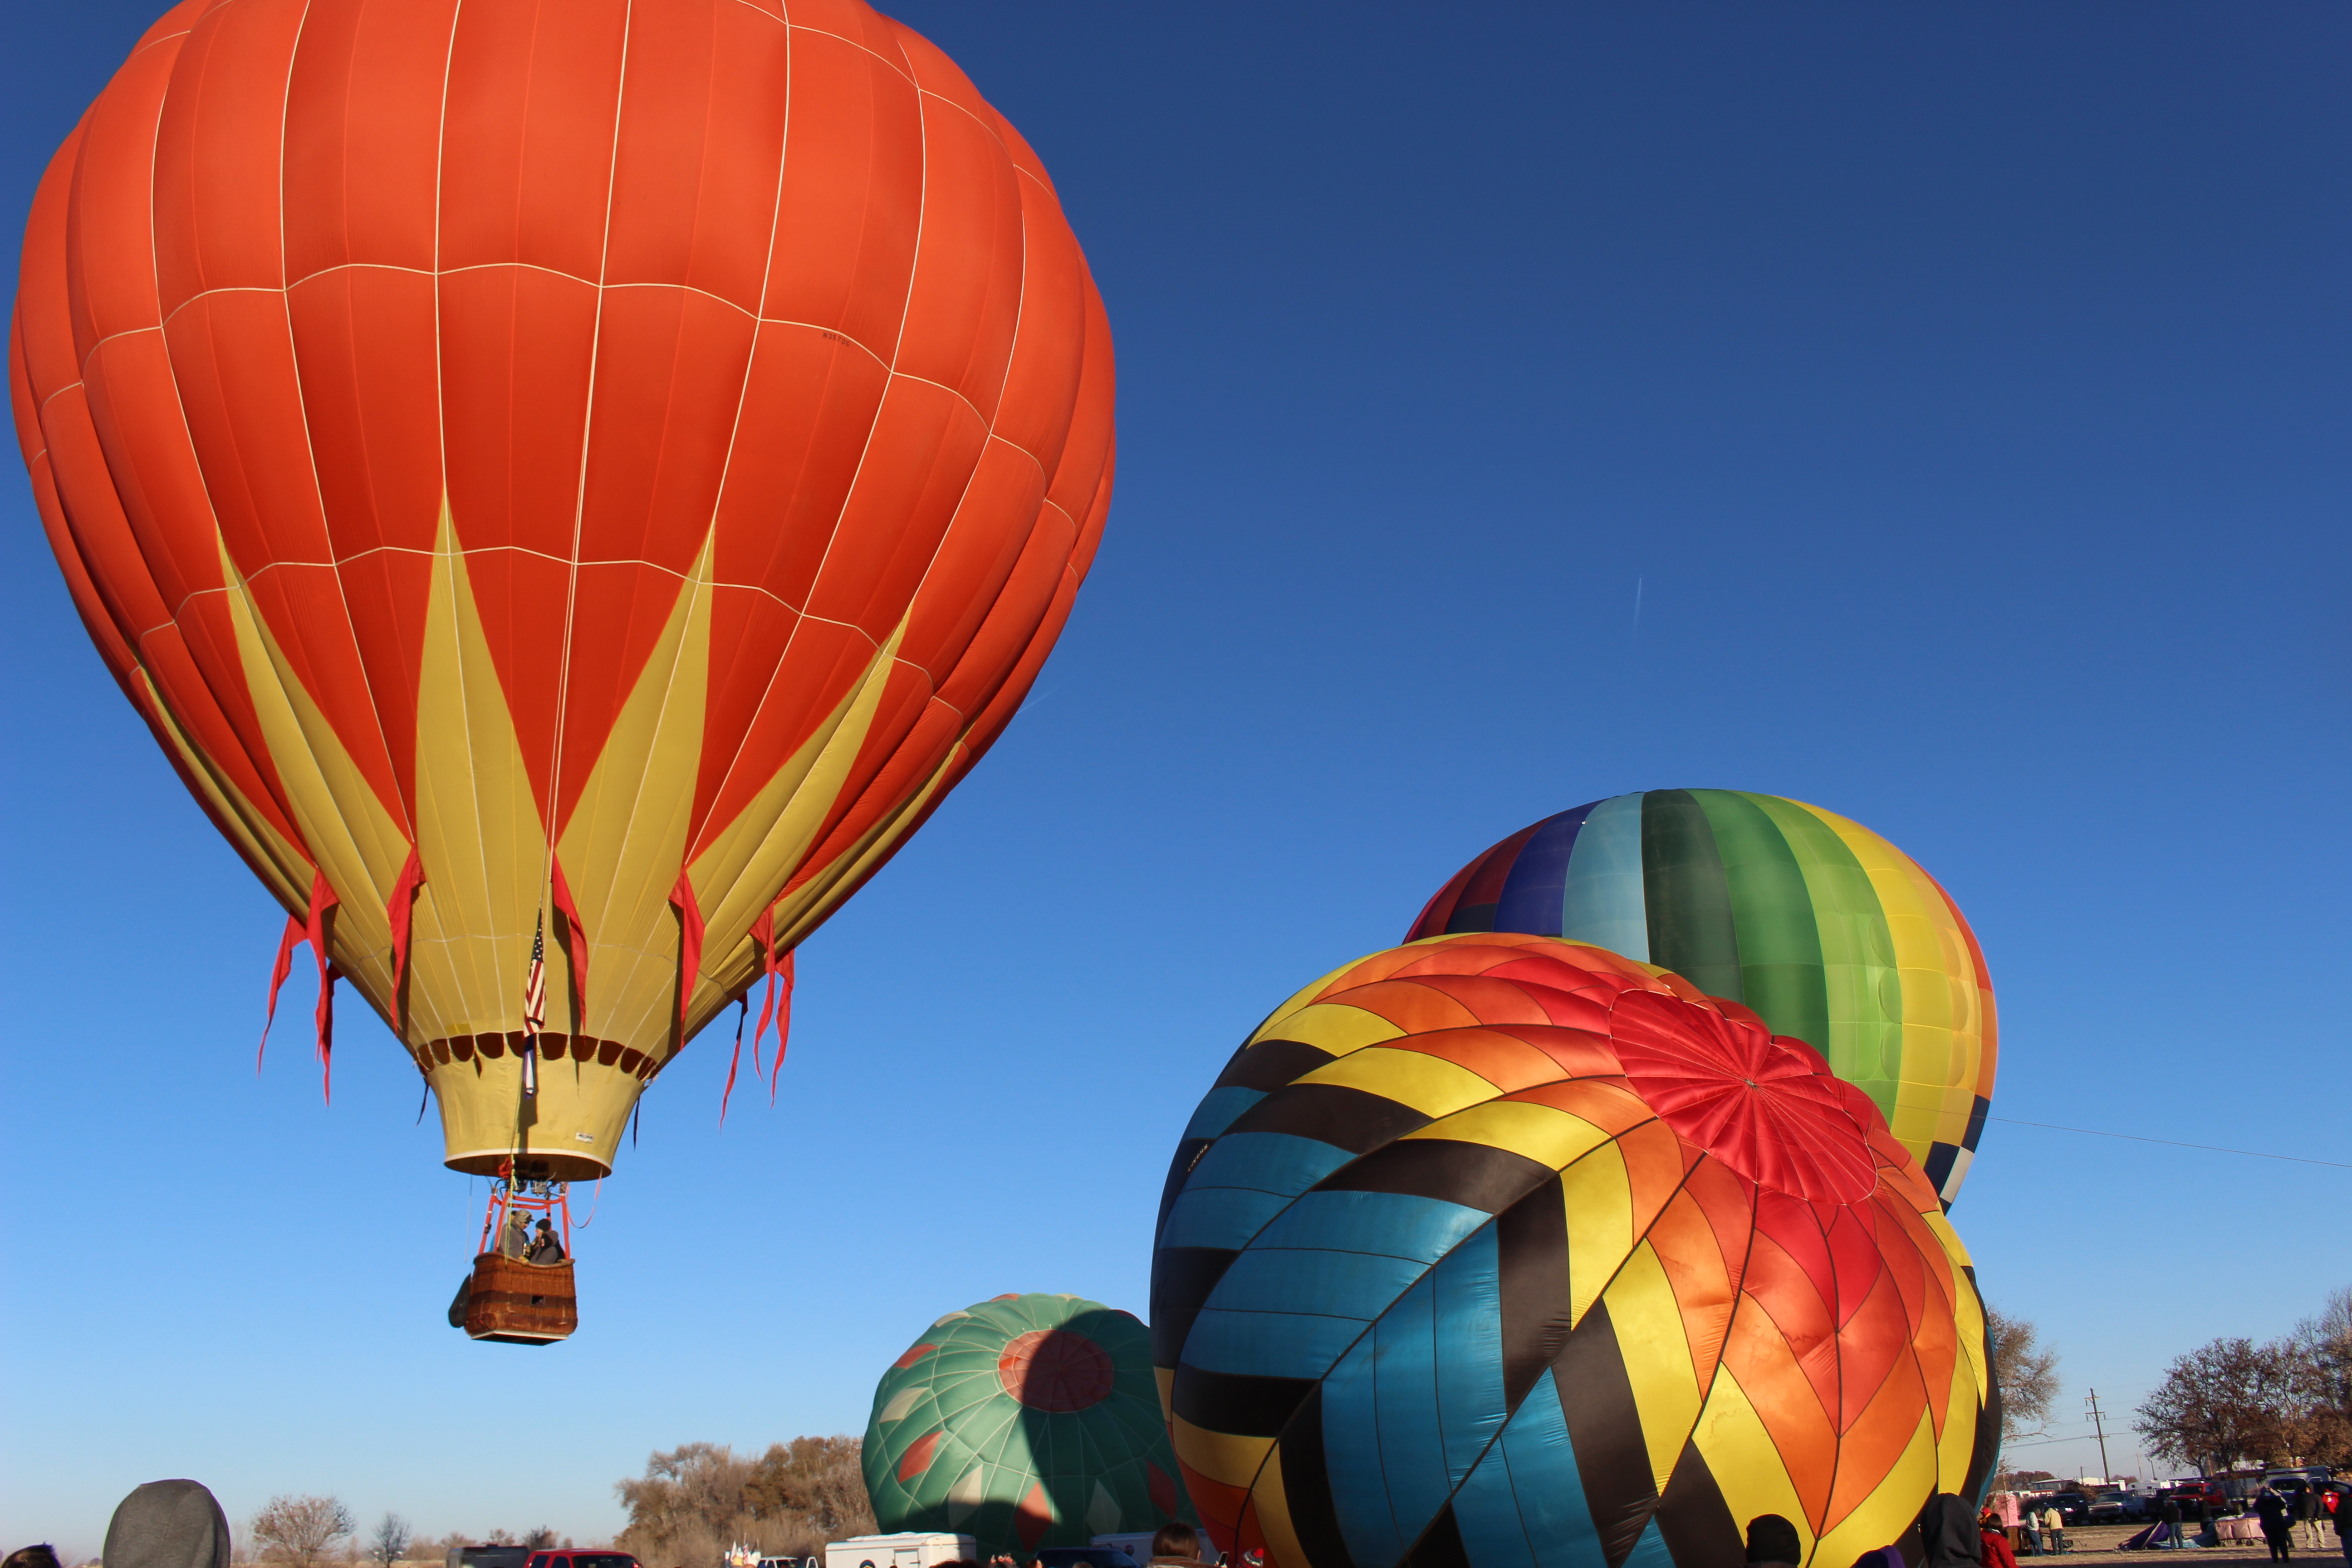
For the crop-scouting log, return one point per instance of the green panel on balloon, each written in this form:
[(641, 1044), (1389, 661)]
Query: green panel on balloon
[(1024, 1422), (1827, 931)]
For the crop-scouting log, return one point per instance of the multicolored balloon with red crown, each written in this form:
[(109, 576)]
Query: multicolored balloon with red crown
[(1503, 1251)]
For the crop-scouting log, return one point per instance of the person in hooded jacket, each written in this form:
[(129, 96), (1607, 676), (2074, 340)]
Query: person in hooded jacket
[(1773, 1539), (1948, 1534), (168, 1524)]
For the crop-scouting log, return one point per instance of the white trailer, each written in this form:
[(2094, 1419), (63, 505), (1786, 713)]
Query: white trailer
[(906, 1548)]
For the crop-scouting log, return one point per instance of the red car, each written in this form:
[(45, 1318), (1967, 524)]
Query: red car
[(569, 1558), (2216, 1500)]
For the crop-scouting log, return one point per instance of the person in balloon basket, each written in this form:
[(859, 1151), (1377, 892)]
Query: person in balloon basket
[(545, 1249), (1175, 1545), (514, 1237)]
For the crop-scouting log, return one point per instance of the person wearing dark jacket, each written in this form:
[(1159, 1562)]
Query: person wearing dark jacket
[(1772, 1539), (2278, 1528), (2169, 1510), (1948, 1534), (2343, 1527), (168, 1524)]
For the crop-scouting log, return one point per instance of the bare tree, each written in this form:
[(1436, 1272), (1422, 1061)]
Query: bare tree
[(300, 1530), (2228, 1400), (390, 1543), (538, 1539), (2026, 1374)]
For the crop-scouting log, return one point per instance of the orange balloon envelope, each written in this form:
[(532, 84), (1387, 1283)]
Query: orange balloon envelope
[(605, 469)]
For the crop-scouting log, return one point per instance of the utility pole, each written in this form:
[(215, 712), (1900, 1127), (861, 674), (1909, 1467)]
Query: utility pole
[(2100, 1426)]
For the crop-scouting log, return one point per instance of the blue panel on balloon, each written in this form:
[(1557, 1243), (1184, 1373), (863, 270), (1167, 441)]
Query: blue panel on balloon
[(1399, 1224), (1547, 1489), (1271, 1161), (1219, 1110), (1469, 1340), (1268, 1344), (1351, 1459), (1404, 1366), (1357, 1285), (1218, 1216)]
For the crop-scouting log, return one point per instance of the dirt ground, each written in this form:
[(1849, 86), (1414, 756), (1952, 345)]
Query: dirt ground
[(2106, 1540)]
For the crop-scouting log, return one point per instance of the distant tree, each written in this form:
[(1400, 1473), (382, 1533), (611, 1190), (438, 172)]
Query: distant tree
[(818, 1480), (300, 1531), (2026, 1374), (390, 1543), (538, 1539), (2232, 1400), (695, 1500)]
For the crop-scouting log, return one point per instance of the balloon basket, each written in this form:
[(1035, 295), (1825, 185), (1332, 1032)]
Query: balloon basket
[(516, 1303), (508, 1299)]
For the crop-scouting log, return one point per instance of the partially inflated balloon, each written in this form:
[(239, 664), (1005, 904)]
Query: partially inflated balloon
[(1026, 1421), (1509, 1252), (615, 464), (1828, 932)]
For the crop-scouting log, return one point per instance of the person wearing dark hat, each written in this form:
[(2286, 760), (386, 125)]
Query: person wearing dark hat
[(1948, 1534), (1773, 1539), (168, 1524), (544, 1248)]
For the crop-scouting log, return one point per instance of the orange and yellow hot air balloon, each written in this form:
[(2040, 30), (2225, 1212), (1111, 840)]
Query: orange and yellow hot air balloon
[(602, 470)]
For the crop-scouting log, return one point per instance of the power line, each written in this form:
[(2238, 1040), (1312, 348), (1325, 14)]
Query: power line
[(2173, 1143)]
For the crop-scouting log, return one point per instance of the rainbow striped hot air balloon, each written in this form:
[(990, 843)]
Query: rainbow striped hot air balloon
[(1025, 1421), (1508, 1252), (1830, 932)]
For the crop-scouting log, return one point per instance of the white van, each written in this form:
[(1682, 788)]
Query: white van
[(906, 1548)]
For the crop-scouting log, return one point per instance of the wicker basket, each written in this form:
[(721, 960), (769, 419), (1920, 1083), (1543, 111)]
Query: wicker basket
[(519, 1303)]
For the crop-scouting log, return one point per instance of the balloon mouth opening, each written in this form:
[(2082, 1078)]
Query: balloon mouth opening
[(530, 1165)]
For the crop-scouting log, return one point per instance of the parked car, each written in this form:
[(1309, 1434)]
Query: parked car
[(2117, 1508), (2216, 1499), (583, 1559), (2074, 1508)]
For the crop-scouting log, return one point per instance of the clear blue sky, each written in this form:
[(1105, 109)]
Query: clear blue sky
[(1965, 387)]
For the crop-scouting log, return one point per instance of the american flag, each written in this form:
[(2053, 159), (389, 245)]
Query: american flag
[(534, 1006)]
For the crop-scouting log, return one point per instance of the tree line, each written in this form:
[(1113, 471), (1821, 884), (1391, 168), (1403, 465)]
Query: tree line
[(313, 1532), (697, 1500), (2286, 1402)]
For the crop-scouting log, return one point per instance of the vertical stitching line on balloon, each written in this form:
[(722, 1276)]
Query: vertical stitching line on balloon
[(302, 406), (1020, 318), (849, 496), (554, 805), (478, 999), (742, 397), (271, 786)]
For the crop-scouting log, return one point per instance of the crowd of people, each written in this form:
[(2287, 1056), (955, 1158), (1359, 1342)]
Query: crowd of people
[(178, 1524)]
